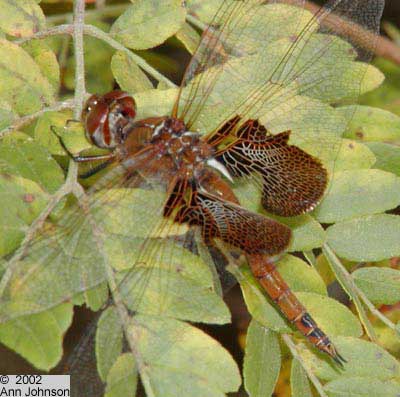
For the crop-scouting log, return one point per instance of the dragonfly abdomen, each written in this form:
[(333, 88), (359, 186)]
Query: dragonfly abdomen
[(277, 289)]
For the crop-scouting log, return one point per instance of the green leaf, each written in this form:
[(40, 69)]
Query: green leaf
[(256, 301), (372, 79), (307, 233), (182, 360), (372, 124), (387, 94), (204, 10), (145, 101), (21, 155), (21, 18), (96, 297), (362, 387), (71, 133), (381, 285), (148, 23), (22, 201), (298, 381), (128, 75), (356, 240), (178, 284), (46, 60), (122, 378), (388, 156), (38, 337), (354, 155), (345, 87), (377, 363), (171, 281), (262, 361), (189, 37), (373, 191), (168, 293), (109, 338), (55, 268), (20, 73), (300, 276), (331, 316), (7, 114)]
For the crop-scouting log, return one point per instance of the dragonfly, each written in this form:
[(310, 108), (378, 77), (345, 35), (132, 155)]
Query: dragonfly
[(167, 177), (196, 170)]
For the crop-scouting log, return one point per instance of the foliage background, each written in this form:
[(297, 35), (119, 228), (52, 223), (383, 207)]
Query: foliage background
[(371, 260)]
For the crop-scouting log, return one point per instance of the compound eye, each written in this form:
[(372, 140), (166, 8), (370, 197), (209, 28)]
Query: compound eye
[(96, 124), (128, 106), (90, 105)]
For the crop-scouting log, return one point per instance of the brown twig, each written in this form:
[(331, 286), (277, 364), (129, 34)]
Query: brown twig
[(370, 41)]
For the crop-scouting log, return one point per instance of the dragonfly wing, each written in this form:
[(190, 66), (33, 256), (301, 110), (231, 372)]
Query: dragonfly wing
[(238, 227), (292, 181), (283, 64), (69, 253)]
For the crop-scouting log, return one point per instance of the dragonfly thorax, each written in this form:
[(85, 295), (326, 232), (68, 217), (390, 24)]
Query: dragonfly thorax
[(186, 148)]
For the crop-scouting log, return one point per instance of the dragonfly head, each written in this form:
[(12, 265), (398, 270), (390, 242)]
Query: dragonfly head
[(106, 116)]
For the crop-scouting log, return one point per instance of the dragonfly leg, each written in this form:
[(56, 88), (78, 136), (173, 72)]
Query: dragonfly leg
[(106, 158), (96, 169), (265, 271)]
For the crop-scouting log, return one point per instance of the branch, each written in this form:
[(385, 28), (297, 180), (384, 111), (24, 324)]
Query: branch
[(377, 44), (22, 121), (31, 232), (374, 310), (347, 283), (314, 380), (71, 182), (91, 30), (80, 89), (99, 34), (42, 34), (196, 22), (332, 257), (126, 319), (106, 12)]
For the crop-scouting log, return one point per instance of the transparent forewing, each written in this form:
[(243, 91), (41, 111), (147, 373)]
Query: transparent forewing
[(117, 234), (75, 252), (283, 64)]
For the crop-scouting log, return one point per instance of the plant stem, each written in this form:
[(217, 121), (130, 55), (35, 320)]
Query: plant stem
[(196, 22), (314, 380), (311, 259), (20, 122), (42, 34), (30, 234), (71, 181), (99, 34), (105, 12), (373, 309), (126, 320), (347, 283), (80, 89)]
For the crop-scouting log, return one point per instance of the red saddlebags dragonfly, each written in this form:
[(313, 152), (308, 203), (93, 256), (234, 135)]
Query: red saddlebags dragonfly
[(235, 119), (196, 170)]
